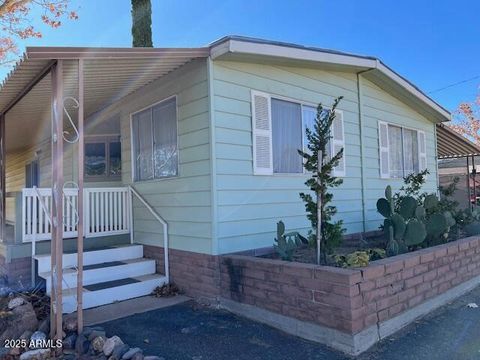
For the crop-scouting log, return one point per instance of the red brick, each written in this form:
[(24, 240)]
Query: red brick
[(374, 295), (367, 285), (441, 252), (427, 257), (412, 260), (429, 276), (397, 308), (387, 280), (373, 272), (338, 275), (382, 315), (419, 269), (413, 281), (386, 302), (415, 300), (406, 294), (394, 266), (452, 249), (370, 320)]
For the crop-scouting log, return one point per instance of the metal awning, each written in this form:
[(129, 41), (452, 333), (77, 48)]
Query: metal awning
[(450, 144), (109, 75)]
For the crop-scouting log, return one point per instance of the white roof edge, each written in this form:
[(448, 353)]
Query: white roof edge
[(412, 89), (306, 54), (253, 48)]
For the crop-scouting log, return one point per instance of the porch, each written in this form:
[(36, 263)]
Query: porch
[(107, 212)]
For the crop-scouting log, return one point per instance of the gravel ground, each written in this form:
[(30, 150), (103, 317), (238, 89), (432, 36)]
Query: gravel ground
[(186, 331)]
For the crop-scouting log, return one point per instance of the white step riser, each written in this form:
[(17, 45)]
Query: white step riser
[(93, 257), (108, 296), (96, 276)]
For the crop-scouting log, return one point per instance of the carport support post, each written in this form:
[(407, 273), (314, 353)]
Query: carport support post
[(57, 200), (469, 200), (474, 173), (81, 154), (2, 177)]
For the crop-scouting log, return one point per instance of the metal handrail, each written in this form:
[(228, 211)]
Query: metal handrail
[(159, 219)]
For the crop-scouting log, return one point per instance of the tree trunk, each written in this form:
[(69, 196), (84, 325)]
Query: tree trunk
[(142, 23), (319, 209)]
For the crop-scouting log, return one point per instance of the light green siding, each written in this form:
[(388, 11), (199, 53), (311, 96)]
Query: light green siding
[(184, 201), (250, 205), (377, 105)]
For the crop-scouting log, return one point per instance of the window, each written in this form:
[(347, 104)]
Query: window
[(286, 136), (279, 131), (32, 174), (154, 139), (103, 158), (402, 151)]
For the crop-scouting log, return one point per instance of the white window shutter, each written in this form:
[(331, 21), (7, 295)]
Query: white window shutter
[(383, 150), (338, 142), (262, 134), (422, 151)]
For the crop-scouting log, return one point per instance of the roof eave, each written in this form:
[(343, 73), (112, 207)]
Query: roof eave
[(227, 45), (70, 53)]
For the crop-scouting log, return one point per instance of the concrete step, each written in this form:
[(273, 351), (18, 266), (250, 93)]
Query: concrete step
[(108, 292), (107, 271), (91, 257)]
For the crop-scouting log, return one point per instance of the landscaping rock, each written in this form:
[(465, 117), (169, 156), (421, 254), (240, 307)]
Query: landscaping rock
[(26, 335), (4, 353), (70, 341), (129, 354), (119, 351), (82, 345), (110, 344), (138, 356), (37, 339), (15, 302), (70, 324), (15, 351), (44, 326), (98, 343), (38, 354), (153, 358), (96, 333), (23, 318)]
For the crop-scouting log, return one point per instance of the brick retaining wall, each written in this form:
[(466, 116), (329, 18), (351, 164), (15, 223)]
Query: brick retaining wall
[(17, 272), (196, 274), (349, 300)]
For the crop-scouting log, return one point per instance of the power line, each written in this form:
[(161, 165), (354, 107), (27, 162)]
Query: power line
[(454, 84)]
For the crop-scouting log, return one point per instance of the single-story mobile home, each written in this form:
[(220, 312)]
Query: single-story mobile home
[(197, 146)]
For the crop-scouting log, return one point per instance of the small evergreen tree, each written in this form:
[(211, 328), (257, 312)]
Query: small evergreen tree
[(322, 180), (142, 23)]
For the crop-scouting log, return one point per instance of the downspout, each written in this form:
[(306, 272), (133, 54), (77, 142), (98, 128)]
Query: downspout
[(436, 160), (363, 179), (213, 165)]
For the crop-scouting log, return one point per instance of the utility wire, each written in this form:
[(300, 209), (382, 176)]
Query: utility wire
[(454, 84)]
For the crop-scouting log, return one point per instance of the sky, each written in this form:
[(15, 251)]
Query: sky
[(434, 44)]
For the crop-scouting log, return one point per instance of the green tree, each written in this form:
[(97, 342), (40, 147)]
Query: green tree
[(330, 233), (142, 23)]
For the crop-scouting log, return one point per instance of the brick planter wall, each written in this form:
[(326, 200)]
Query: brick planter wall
[(17, 272), (362, 305), (196, 274)]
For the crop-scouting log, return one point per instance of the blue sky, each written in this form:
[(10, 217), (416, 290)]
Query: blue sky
[(432, 43)]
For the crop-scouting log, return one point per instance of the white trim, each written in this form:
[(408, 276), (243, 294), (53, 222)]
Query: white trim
[(419, 152), (302, 104), (282, 51), (383, 149), (276, 50), (132, 148), (255, 131)]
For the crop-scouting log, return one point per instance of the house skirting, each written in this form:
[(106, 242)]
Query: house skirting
[(348, 309)]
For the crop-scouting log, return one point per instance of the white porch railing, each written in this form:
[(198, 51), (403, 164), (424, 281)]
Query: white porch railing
[(107, 212)]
